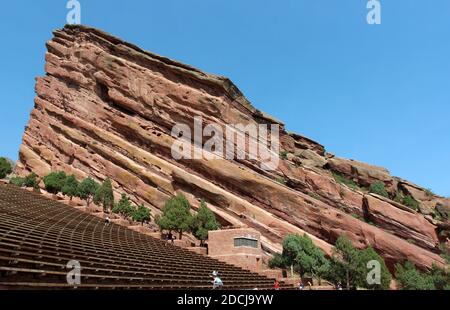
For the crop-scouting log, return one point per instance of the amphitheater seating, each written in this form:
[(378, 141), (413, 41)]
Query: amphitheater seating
[(38, 237)]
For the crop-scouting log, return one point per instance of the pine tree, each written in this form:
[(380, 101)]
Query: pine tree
[(141, 214), (203, 222), (176, 215), (124, 207), (105, 196)]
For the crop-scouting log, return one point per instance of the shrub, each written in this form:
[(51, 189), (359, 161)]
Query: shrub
[(410, 202), (281, 180), (379, 189), (28, 181), (5, 167), (343, 180), (54, 182), (203, 222), (284, 154), (441, 213), (31, 181), (399, 197), (17, 181), (445, 253)]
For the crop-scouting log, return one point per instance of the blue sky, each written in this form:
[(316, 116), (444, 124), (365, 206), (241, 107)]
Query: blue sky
[(379, 94)]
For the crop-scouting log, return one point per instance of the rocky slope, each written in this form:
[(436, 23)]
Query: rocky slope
[(106, 108)]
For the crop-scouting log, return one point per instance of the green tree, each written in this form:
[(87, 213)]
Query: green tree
[(5, 167), (441, 277), (124, 207), (141, 214), (365, 256), (379, 188), (203, 222), (349, 265), (70, 187), (409, 278), (311, 260), (344, 262), (176, 215), (54, 182), (277, 261), (105, 196), (301, 254), (87, 189)]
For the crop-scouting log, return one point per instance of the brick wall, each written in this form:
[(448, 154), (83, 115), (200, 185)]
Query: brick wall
[(221, 245)]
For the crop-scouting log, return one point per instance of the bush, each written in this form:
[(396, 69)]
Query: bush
[(399, 197), (445, 253), (379, 189), (54, 182), (17, 181), (31, 181), (343, 180), (410, 202), (284, 154), (28, 181), (5, 167), (441, 213)]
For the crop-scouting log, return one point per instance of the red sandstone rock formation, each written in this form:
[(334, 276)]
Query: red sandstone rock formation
[(106, 109)]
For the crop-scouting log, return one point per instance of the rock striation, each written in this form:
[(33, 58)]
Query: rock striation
[(106, 108)]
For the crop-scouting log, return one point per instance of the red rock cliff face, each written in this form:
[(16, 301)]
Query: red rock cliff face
[(106, 109)]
